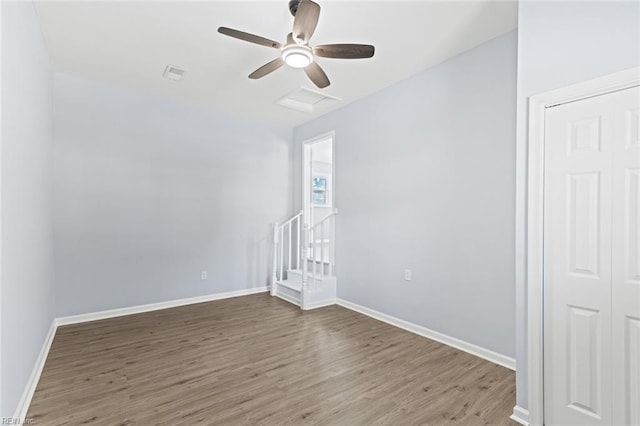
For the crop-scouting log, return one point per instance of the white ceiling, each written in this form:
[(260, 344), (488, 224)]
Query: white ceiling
[(131, 43)]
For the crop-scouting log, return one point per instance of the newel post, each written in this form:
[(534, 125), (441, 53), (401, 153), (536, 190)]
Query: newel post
[(274, 276), (305, 266)]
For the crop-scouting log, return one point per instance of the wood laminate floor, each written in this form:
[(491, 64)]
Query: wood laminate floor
[(260, 360)]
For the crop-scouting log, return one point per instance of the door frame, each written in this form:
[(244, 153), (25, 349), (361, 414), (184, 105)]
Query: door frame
[(306, 170), (535, 218)]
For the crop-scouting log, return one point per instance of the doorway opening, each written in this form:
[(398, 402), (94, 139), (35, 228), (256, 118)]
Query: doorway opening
[(318, 183)]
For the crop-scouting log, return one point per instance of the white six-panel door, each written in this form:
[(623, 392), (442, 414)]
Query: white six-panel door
[(626, 257), (591, 261)]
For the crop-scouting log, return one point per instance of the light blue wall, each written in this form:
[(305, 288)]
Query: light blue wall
[(148, 192), (425, 180), (562, 43), (27, 258)]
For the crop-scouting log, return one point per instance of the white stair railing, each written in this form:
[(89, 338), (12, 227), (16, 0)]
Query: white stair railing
[(322, 239), (287, 238), (295, 244)]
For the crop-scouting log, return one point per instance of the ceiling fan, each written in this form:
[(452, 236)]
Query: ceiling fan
[(296, 52)]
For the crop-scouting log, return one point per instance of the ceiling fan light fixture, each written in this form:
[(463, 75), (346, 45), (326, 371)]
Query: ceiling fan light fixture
[(297, 56)]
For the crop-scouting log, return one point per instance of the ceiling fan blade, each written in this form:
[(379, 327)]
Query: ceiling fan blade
[(267, 68), (252, 38), (345, 51), (306, 20), (317, 75)]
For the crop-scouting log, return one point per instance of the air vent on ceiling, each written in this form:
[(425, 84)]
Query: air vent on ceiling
[(173, 73), (306, 100)]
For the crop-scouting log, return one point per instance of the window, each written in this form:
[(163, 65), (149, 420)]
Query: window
[(320, 190)]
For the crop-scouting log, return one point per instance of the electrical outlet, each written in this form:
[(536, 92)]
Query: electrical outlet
[(407, 274), (203, 275)]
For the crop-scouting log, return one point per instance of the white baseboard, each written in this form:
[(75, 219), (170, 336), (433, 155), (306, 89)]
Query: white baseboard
[(310, 306), (30, 388), (321, 304), (94, 316), (478, 351), (520, 415)]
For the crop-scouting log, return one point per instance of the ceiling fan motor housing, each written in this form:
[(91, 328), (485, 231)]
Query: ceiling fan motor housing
[(293, 6)]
